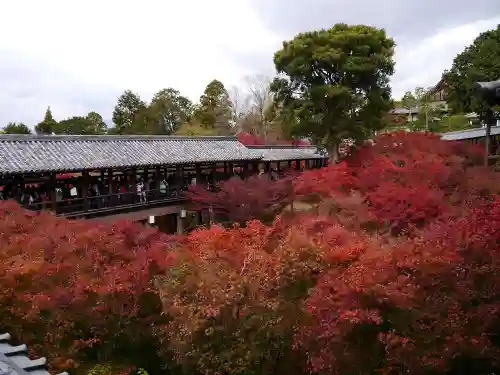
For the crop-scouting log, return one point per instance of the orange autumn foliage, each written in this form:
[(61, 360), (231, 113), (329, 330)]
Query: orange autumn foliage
[(394, 269), (71, 288)]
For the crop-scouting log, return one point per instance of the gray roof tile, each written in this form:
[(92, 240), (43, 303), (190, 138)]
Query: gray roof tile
[(14, 360), (469, 134), (284, 152), (29, 153)]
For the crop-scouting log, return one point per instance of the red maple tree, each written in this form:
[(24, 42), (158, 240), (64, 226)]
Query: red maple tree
[(394, 269), (237, 200), (76, 289)]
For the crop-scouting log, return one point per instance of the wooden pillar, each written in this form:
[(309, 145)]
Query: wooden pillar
[(52, 191), (487, 140), (226, 170), (214, 173), (179, 179), (230, 167), (212, 215), (297, 165), (180, 224), (245, 169), (289, 164), (157, 181), (255, 167), (267, 166), (133, 186), (110, 181), (198, 174), (111, 199), (85, 190), (278, 166), (308, 166)]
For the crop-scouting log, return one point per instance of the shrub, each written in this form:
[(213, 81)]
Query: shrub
[(257, 197)]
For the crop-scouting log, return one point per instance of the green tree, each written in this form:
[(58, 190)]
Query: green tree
[(126, 111), (97, 123), (478, 62), (336, 83), (76, 125), (167, 112), (48, 125), (193, 129), (16, 128), (409, 102), (214, 110), (420, 101)]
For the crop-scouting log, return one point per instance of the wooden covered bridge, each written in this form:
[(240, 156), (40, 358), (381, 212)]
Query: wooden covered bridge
[(130, 177), (478, 136)]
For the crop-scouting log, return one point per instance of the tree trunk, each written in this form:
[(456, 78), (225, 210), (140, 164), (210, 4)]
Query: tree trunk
[(333, 152)]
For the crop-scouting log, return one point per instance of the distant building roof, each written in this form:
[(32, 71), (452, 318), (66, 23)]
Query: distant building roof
[(14, 360), (469, 134), (403, 111), (285, 152), (52, 153), (438, 86)]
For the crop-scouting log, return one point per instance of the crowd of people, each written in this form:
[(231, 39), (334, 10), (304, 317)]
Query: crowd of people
[(100, 193)]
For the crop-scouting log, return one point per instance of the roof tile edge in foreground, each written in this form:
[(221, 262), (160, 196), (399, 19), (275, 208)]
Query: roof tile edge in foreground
[(31, 364)]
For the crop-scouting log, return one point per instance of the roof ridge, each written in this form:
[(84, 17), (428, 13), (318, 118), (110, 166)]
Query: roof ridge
[(281, 146)]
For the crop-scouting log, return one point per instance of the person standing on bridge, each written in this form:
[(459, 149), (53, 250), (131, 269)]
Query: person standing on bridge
[(140, 192)]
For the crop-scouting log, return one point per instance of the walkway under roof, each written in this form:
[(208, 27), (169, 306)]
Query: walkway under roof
[(64, 153), (469, 134)]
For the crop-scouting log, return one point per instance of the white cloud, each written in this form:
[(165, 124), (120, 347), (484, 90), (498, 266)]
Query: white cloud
[(104, 47), (422, 63), (78, 56)]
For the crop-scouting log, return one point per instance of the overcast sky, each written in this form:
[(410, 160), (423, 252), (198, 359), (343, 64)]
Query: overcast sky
[(78, 56)]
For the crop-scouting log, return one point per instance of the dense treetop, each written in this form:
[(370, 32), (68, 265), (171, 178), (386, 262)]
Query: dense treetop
[(478, 62), (330, 85)]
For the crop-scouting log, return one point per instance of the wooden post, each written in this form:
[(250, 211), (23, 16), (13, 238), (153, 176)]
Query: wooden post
[(85, 190), (179, 179), (180, 224), (267, 167), (297, 165), (214, 173), (198, 174), (278, 166), (245, 170), (488, 117), (111, 199), (212, 215), (133, 186), (255, 167), (226, 169), (230, 167), (289, 164), (52, 191), (157, 181)]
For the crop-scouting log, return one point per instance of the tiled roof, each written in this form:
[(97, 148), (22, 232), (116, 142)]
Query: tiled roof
[(282, 153), (403, 111), (14, 360), (30, 153), (469, 134)]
